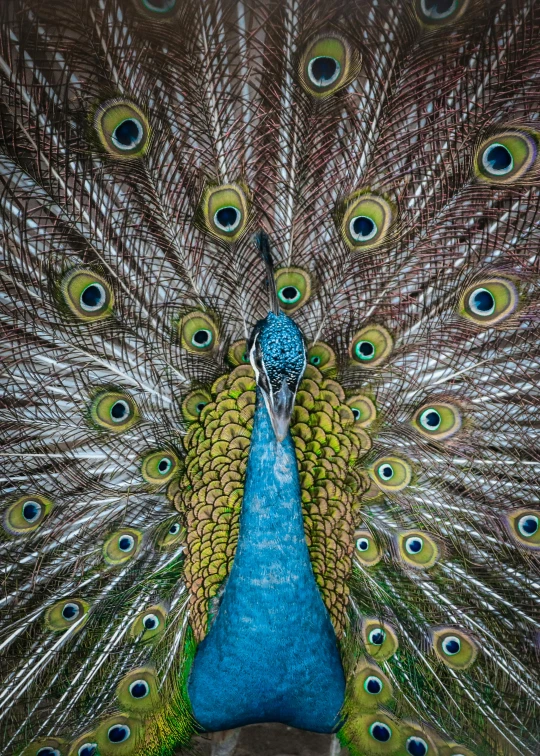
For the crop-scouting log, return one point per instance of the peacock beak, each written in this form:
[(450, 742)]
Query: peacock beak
[(280, 406)]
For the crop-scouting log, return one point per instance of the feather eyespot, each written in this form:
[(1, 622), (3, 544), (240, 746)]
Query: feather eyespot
[(370, 687), (122, 546), (417, 741), (374, 733), (363, 409), (159, 467), (26, 514), (490, 301), (65, 614), (194, 404), (524, 526), (224, 211), (115, 411), (370, 346), (380, 731), (122, 129), (506, 157), (46, 747), (439, 12), (380, 639), (454, 647), (327, 64), (159, 9), (367, 551), (366, 220), (119, 734), (418, 549), (198, 333), (439, 420), (138, 691), (293, 286), (391, 473), (322, 357), (88, 295), (237, 354), (174, 535), (149, 624)]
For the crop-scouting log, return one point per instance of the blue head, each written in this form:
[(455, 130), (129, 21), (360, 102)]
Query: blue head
[(277, 353)]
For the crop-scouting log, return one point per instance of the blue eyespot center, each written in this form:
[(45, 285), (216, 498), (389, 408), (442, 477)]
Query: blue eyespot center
[(150, 622), (482, 302), (323, 70), (227, 218), (31, 511), (70, 612), (451, 646), (139, 689), (289, 294), (417, 746), (373, 685), (93, 297), (128, 134), (202, 338), (377, 637), (47, 751), (119, 410), (498, 159), (528, 525), (414, 545), (315, 360), (365, 350), (126, 543), (174, 529), (164, 465), (430, 419), (118, 733), (438, 9), (159, 6), (363, 228), (362, 544), (87, 749), (380, 732), (386, 471)]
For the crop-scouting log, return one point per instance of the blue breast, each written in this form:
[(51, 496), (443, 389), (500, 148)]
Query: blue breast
[(271, 653)]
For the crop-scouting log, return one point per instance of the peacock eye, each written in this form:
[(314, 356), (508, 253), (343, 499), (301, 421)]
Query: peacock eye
[(224, 211), (48, 752), (327, 64), (391, 473), (61, 615), (159, 467), (454, 647), (416, 746), (366, 221), (174, 529), (151, 622), (414, 545), (321, 356), (451, 645), (122, 546), (70, 612), (237, 353), (377, 636), (524, 526), (373, 685), (418, 550), (26, 514), (173, 536), (371, 346), (438, 421), (506, 157), (87, 749), (198, 333), (159, 6), (126, 543), (528, 525), (122, 128), (118, 733), (367, 550), (114, 411), (293, 287), (438, 12), (380, 732), (363, 409), (490, 301), (139, 689), (87, 295), (194, 404)]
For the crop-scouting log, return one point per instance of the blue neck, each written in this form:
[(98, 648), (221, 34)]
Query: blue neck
[(271, 654)]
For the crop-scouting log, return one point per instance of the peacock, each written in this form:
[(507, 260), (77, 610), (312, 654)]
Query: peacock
[(270, 374)]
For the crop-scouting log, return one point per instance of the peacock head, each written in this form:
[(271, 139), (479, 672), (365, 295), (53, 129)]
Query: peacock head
[(277, 353)]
